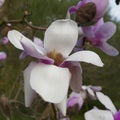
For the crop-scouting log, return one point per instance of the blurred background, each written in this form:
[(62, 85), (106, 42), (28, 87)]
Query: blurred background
[(42, 13)]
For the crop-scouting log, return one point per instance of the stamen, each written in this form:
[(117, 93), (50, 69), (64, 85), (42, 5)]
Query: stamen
[(57, 57)]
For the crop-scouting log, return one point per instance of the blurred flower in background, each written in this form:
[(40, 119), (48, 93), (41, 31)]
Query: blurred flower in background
[(3, 57), (98, 35), (110, 114), (1, 3)]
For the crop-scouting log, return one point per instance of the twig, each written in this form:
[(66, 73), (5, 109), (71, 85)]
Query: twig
[(24, 21)]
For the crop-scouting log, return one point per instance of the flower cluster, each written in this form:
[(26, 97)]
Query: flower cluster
[(56, 67), (59, 55), (97, 32)]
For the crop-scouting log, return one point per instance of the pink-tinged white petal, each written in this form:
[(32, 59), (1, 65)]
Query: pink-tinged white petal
[(96, 88), (86, 56), (106, 31), (38, 41), (108, 49), (91, 93), (50, 82), (95, 114), (62, 106), (75, 98), (30, 94), (106, 101), (14, 37), (3, 56), (22, 55), (33, 50), (61, 36), (76, 78)]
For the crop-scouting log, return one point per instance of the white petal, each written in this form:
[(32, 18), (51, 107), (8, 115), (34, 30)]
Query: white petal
[(14, 37), (61, 36), (95, 114), (29, 92), (86, 56), (62, 106), (106, 101), (50, 82), (91, 93)]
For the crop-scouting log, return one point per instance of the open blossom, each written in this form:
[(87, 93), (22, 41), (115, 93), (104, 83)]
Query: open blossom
[(37, 41), (56, 68), (95, 11), (98, 35), (110, 114)]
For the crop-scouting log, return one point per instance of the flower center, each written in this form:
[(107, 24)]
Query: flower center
[(57, 57)]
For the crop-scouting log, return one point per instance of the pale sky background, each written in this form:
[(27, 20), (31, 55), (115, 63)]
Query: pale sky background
[(114, 10)]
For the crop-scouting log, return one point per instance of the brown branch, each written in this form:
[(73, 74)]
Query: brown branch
[(33, 26), (24, 21)]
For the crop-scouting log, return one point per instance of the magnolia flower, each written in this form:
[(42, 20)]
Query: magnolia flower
[(98, 35), (110, 114), (56, 69), (89, 10)]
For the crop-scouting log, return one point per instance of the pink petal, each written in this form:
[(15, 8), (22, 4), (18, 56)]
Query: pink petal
[(117, 115), (88, 31), (106, 31), (38, 41), (3, 55), (99, 23), (75, 98), (108, 49), (33, 50)]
